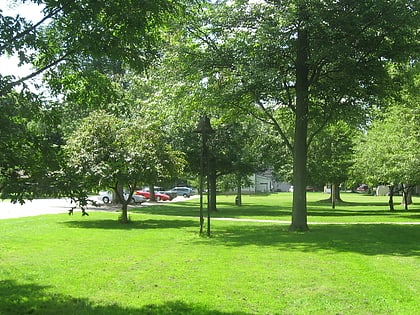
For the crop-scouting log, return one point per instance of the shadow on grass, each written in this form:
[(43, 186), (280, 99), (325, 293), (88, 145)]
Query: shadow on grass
[(143, 224), (183, 208), (315, 208), (343, 203), (225, 209), (366, 239), (347, 209), (18, 298), (340, 212)]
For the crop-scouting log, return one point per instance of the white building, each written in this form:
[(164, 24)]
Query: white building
[(265, 183)]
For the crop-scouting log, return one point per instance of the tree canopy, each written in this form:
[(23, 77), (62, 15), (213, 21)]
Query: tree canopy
[(108, 152), (389, 152), (310, 62)]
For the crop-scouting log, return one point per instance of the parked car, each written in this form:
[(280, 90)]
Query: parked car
[(106, 197), (172, 194), (146, 194), (362, 188), (161, 190), (183, 191)]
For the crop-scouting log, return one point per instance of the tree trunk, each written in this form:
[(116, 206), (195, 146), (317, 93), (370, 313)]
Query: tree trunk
[(152, 192), (391, 197), (299, 211), (124, 212), (407, 198), (238, 199), (335, 195), (212, 190), (333, 200), (119, 194)]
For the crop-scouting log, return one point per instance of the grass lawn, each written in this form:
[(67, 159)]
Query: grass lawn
[(277, 206), (158, 264)]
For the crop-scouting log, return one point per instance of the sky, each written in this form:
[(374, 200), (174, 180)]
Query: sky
[(9, 64)]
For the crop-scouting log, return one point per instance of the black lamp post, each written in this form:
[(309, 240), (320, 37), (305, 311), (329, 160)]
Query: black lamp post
[(205, 129)]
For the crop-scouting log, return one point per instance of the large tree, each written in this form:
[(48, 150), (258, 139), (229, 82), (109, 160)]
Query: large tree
[(311, 62)]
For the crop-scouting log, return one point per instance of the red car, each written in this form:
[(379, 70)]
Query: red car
[(158, 195)]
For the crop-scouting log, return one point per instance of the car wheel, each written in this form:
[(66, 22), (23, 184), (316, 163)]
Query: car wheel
[(105, 200), (157, 198)]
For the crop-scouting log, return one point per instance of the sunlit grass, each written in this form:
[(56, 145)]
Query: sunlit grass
[(277, 206), (158, 264)]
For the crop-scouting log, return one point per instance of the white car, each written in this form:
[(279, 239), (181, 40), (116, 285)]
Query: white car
[(106, 197)]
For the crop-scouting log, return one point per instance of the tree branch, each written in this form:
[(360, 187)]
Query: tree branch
[(276, 125), (39, 71), (32, 28)]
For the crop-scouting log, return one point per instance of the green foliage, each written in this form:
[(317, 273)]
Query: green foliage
[(389, 152), (298, 66), (30, 143), (331, 155), (71, 33), (107, 151), (82, 46)]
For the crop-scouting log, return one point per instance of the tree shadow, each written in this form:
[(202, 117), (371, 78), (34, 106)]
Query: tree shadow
[(315, 208), (35, 299), (132, 225), (347, 209), (224, 209), (349, 213), (366, 239), (343, 203), (181, 208)]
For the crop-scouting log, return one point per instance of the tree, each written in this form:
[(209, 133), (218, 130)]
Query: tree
[(389, 153), (240, 154), (331, 156), (106, 151), (234, 151), (319, 61), (70, 44)]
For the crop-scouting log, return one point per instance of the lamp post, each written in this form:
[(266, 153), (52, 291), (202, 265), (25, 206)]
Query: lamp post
[(205, 129)]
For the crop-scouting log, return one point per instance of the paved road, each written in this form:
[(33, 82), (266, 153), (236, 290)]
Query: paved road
[(32, 208), (53, 206)]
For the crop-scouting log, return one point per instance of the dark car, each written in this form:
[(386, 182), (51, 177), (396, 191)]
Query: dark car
[(362, 188)]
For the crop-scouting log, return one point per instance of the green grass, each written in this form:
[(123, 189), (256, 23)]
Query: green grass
[(158, 264), (277, 206)]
